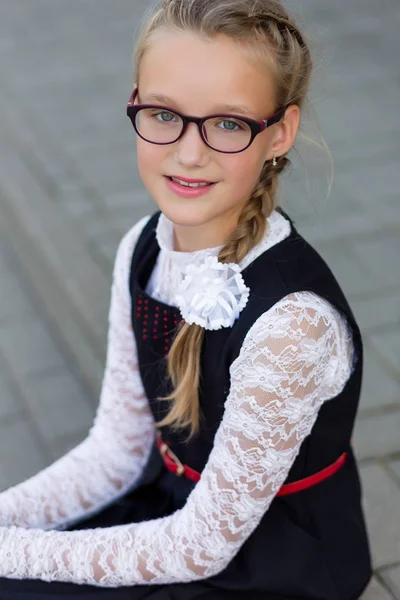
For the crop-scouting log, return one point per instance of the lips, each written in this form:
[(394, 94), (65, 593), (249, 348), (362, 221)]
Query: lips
[(189, 180), (188, 191)]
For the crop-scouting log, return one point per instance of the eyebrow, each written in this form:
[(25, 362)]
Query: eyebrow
[(229, 108)]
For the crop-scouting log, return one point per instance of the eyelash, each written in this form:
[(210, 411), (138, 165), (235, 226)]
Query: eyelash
[(222, 121)]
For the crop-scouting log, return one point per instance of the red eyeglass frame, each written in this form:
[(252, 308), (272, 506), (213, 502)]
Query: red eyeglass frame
[(256, 127)]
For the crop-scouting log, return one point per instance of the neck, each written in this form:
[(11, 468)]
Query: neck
[(207, 234), (186, 241)]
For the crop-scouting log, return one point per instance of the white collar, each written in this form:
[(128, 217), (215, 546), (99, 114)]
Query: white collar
[(212, 294)]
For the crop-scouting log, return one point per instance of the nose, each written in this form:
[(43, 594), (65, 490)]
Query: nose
[(191, 148)]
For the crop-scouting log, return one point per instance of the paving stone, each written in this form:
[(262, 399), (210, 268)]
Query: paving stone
[(395, 466), (323, 219), (381, 501), (107, 248), (127, 217), (387, 344), (381, 255), (353, 119), (14, 299), (391, 577), (377, 311), (391, 214), (354, 277), (58, 404), (21, 456), (111, 167), (376, 591), (10, 401), (377, 435), (59, 245), (130, 197), (98, 227), (339, 227), (379, 387), (364, 184), (4, 257), (74, 201), (28, 347)]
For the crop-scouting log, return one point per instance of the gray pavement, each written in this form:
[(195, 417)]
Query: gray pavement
[(69, 188)]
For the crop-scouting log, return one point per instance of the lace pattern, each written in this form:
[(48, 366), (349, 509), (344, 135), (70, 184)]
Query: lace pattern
[(296, 356)]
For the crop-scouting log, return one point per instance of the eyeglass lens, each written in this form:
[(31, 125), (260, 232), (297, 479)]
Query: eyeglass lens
[(163, 127)]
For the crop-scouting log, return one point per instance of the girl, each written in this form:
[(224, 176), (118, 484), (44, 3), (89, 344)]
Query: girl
[(219, 464)]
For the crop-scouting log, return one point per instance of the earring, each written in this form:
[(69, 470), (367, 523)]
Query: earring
[(274, 161)]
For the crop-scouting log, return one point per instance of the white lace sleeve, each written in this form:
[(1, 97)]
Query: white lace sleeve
[(111, 458), (295, 357)]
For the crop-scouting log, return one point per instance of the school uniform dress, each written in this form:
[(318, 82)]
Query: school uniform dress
[(279, 393)]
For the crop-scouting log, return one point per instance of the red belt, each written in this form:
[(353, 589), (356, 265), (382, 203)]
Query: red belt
[(174, 465)]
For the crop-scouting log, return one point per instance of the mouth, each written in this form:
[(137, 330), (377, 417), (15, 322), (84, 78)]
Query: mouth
[(190, 183), (184, 189)]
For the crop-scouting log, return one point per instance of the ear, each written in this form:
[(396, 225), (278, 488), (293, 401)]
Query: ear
[(285, 132)]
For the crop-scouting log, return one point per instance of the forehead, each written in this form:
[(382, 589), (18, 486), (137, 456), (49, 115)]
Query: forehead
[(201, 76)]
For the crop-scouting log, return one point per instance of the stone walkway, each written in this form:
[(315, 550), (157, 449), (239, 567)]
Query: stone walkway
[(69, 189)]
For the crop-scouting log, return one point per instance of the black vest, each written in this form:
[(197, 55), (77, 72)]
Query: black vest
[(312, 544)]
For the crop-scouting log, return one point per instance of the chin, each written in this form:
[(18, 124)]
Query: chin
[(187, 212)]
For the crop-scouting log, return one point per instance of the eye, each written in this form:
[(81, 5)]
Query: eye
[(170, 116), (232, 125)]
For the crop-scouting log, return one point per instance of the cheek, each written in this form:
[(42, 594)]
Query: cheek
[(150, 157), (243, 170)]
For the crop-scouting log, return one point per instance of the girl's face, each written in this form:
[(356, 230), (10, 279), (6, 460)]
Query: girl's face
[(199, 77)]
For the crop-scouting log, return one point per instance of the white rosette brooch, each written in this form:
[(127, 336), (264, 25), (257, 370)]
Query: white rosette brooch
[(212, 294)]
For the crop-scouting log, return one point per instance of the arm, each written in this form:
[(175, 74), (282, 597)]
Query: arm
[(287, 367), (111, 458)]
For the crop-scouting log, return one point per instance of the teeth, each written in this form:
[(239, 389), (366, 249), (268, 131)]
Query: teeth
[(188, 184)]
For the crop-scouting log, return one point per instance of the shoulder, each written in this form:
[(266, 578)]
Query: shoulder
[(300, 331), (302, 310)]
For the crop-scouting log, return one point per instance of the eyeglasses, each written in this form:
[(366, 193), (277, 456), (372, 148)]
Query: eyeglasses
[(223, 133)]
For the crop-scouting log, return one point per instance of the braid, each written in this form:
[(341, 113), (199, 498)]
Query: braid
[(285, 27), (183, 359)]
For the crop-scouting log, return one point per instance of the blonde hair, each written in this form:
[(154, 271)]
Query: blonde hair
[(264, 28)]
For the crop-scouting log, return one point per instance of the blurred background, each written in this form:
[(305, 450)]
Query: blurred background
[(70, 188)]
